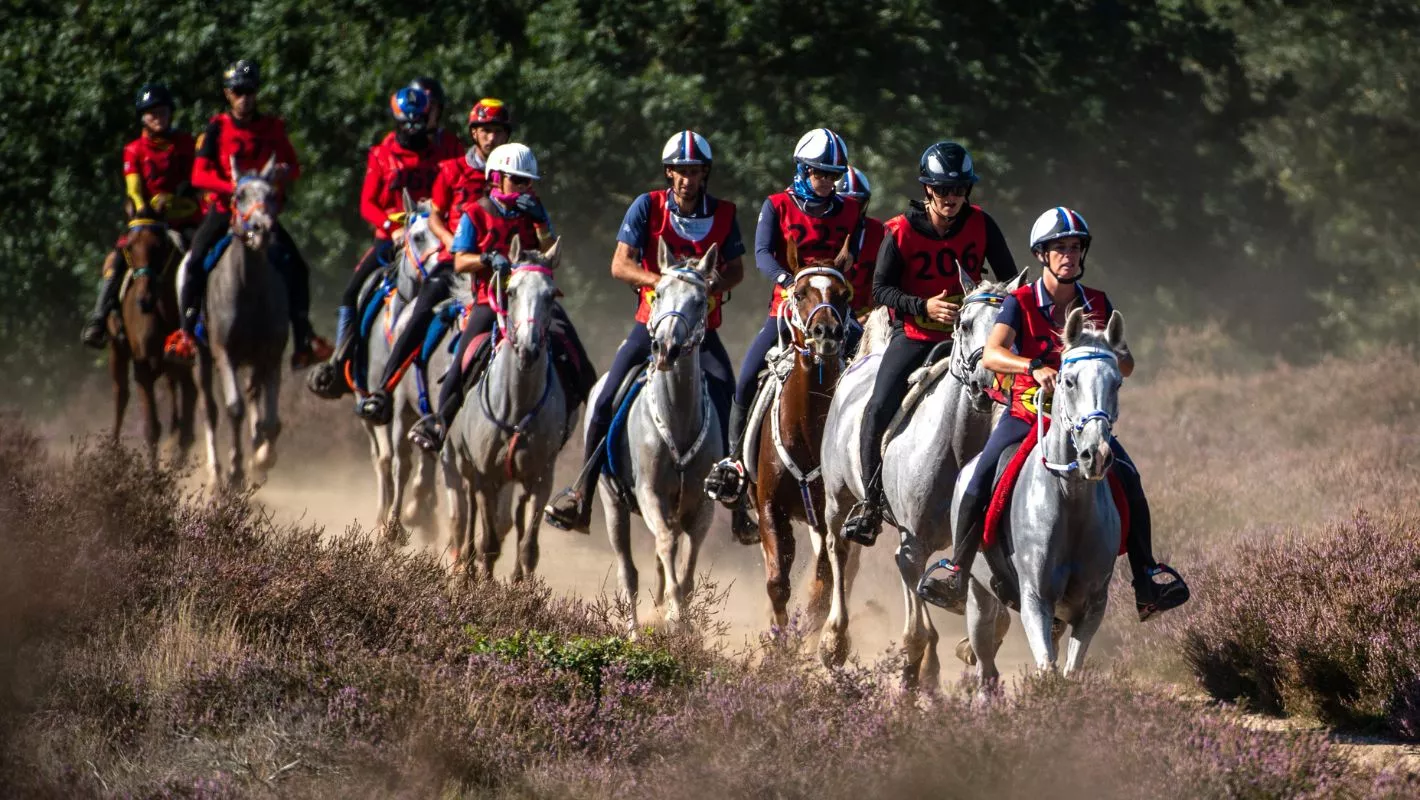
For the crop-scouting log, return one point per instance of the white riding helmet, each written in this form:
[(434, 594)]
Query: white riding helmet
[(513, 159), (686, 147), (1059, 223), (855, 184), (822, 149)]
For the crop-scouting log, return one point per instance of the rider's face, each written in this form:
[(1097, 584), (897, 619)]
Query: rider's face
[(242, 102), (1062, 258), (487, 137), (687, 181), (822, 182), (516, 184), (157, 119), (947, 201)]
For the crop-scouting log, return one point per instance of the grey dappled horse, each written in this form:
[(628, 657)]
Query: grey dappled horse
[(1064, 527), (947, 427), (672, 439), (391, 452), (247, 324), (503, 444)]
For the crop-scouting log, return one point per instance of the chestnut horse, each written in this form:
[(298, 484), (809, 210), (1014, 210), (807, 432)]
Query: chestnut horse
[(787, 485), (148, 312)]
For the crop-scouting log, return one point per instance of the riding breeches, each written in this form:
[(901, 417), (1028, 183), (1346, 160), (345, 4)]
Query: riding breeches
[(902, 356), (754, 360), (285, 258)]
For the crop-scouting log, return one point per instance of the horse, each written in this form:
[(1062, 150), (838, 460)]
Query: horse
[(786, 485), (148, 312), (390, 451), (503, 443), (672, 440), (926, 447), (1063, 525), (246, 321)]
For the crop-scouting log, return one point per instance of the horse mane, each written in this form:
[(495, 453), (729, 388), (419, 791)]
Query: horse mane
[(875, 333)]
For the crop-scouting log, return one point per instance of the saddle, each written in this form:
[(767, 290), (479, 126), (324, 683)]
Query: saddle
[(622, 401), (997, 527), (777, 366), (919, 383)]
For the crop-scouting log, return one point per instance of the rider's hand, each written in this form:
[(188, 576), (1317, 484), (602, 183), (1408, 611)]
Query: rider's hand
[(161, 202), (940, 309), (497, 262), (530, 205), (1045, 376)]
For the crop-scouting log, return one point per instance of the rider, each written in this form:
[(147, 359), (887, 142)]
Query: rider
[(462, 179), (855, 184), (1025, 344), (156, 169), (917, 276), (818, 221), (689, 220), (250, 137), (445, 142), (487, 227), (405, 160)]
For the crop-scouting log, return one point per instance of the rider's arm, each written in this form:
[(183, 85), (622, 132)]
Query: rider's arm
[(766, 238), (732, 265), (286, 155), (465, 247), (441, 199), (626, 267), (370, 193), (998, 253), (997, 355), (206, 171), (887, 280), (132, 179)]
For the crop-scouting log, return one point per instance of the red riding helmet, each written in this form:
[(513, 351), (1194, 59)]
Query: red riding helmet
[(490, 111)]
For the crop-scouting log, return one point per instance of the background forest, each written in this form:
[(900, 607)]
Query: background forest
[(1252, 163)]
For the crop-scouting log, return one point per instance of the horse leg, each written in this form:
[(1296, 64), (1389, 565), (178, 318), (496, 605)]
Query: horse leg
[(419, 510), (400, 467), (186, 389), (459, 491), (527, 520), (236, 413), (667, 545), (1037, 617), (911, 561), (118, 358), (267, 400), (1083, 631), (618, 530), (776, 536), (490, 535), (695, 528), (983, 613), (146, 379), (209, 410)]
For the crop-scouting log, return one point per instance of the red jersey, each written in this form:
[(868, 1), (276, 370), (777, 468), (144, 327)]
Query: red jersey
[(390, 168), (163, 164), (860, 275), (659, 228), (251, 142), (814, 237), (930, 267), (445, 144), (495, 232), (1037, 337), (457, 183)]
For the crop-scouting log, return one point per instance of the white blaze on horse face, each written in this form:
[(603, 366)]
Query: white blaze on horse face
[(823, 283)]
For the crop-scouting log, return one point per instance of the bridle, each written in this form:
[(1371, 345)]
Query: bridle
[(962, 364), (499, 301), (800, 323), (695, 333), (241, 220), (1105, 418), (409, 253)]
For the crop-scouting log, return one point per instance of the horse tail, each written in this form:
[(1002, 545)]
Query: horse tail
[(875, 332)]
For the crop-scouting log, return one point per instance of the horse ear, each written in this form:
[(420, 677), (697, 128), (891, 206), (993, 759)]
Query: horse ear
[(269, 171), (515, 249), (236, 173), (709, 261), (844, 260), (409, 206), (663, 255), (1114, 331), (791, 255), (1018, 281), (1073, 325), (552, 255), (967, 284)]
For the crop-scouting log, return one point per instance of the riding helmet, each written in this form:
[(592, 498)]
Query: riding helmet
[(946, 164), (242, 74)]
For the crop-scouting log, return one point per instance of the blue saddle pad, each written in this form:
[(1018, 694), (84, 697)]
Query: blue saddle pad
[(617, 433), (215, 254)]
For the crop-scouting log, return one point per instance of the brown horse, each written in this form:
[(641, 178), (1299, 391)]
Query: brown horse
[(148, 312), (787, 485)]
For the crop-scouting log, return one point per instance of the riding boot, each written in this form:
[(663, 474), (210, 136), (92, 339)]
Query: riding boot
[(571, 509), (866, 519), (328, 379), (1151, 596), (95, 333), (726, 481), (949, 592), (307, 347)]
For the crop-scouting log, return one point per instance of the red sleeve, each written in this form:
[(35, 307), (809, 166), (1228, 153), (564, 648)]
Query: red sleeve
[(370, 192), (442, 195), (286, 154), (131, 157)]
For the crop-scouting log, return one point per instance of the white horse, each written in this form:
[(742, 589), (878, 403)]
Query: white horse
[(925, 450), (672, 439), (503, 444), (1063, 525)]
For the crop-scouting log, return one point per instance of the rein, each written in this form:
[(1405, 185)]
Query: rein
[(413, 257), (695, 337), (968, 363), (514, 432), (1082, 354), (800, 324)]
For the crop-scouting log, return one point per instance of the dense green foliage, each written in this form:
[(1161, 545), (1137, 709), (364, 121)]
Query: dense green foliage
[(1244, 160)]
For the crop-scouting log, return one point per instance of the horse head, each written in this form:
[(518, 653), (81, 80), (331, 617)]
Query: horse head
[(681, 305), (980, 307), (149, 252), (1086, 400), (254, 204), (529, 299), (417, 242), (818, 303)]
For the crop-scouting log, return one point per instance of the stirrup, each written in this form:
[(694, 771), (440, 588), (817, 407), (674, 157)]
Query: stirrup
[(375, 408), (864, 522), (726, 482), (428, 433), (1166, 596), (558, 517), (947, 592)]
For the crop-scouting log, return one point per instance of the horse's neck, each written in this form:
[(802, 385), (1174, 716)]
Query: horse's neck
[(244, 267), (677, 397), (813, 384), (514, 392)]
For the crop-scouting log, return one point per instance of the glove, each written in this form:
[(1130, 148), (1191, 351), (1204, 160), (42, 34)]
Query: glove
[(497, 262), (530, 205)]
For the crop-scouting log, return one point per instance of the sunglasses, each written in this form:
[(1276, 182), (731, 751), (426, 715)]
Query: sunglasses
[(950, 190), (518, 180), (822, 173), (244, 91)]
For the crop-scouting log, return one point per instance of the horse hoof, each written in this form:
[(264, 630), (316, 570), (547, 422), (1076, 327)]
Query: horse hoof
[(965, 654)]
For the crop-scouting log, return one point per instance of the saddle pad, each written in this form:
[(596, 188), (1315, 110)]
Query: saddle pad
[(626, 395), (479, 342), (1000, 504), (215, 254), (749, 445)]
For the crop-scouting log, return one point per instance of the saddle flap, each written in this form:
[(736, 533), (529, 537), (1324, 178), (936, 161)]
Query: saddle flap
[(749, 446), (622, 401), (920, 382)]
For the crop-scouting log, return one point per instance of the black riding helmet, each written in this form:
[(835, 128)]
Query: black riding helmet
[(153, 95), (242, 74), (946, 164), (431, 87)]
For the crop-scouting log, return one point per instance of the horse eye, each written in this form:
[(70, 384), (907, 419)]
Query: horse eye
[(1068, 382)]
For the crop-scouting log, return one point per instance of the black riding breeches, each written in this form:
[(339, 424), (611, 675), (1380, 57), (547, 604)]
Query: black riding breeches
[(902, 356)]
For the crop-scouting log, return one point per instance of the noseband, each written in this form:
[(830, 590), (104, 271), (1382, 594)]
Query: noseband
[(243, 218), (695, 334), (500, 295), (1104, 417), (962, 365)]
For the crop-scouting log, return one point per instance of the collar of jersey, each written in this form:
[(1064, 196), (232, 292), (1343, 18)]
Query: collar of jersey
[(705, 209)]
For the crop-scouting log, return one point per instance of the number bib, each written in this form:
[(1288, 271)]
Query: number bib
[(930, 267)]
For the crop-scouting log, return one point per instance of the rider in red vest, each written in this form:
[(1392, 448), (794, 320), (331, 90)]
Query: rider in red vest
[(405, 160), (250, 137), (487, 227), (855, 184), (918, 277), (461, 179), (1025, 344), (156, 169), (819, 221), (689, 220)]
